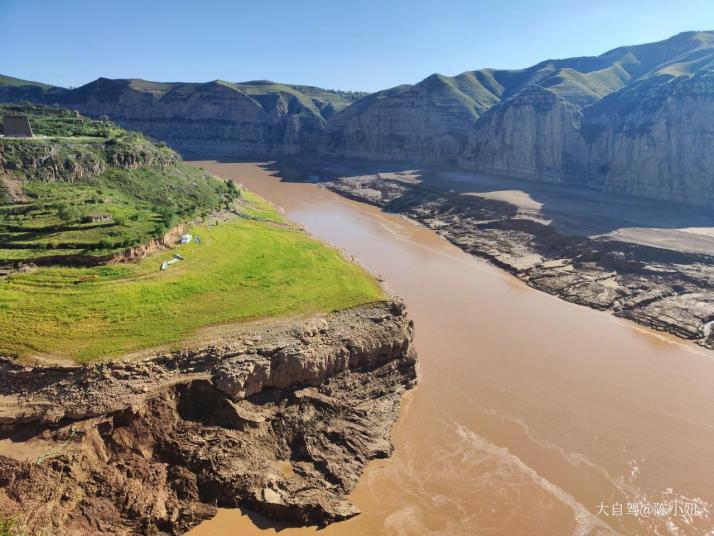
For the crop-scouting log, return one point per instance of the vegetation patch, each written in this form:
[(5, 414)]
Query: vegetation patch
[(8, 527), (84, 191), (89, 189), (242, 269)]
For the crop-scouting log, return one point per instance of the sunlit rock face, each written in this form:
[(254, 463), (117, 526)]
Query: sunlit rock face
[(427, 122), (634, 120), (532, 135), (655, 139)]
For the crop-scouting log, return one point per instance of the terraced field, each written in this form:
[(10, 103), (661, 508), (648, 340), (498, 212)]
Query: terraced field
[(103, 214), (87, 189)]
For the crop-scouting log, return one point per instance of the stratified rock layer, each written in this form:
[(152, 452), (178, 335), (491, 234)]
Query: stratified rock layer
[(278, 418), (663, 289)]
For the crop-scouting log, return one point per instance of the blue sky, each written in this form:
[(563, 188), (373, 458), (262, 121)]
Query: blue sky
[(361, 45)]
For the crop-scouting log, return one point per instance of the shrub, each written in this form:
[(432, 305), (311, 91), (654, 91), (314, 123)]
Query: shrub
[(68, 212)]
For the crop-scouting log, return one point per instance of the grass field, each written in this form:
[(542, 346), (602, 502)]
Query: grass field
[(90, 190), (241, 270)]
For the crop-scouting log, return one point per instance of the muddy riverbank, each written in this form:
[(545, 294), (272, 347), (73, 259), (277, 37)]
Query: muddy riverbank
[(280, 415), (531, 412)]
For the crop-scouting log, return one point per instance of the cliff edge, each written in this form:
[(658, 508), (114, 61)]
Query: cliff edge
[(279, 417)]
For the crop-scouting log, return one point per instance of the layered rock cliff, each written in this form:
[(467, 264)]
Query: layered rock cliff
[(527, 136), (277, 417), (634, 120), (655, 139), (217, 118), (428, 122)]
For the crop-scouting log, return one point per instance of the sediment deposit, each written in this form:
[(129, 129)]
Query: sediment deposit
[(665, 289)]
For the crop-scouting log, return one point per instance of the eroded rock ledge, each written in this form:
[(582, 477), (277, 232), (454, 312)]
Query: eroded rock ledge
[(662, 289), (280, 418)]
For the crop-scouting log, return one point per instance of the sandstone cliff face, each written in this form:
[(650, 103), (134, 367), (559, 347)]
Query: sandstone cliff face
[(216, 118), (656, 140), (647, 133), (528, 136), (278, 417), (428, 122)]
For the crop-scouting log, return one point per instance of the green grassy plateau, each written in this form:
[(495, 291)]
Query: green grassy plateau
[(249, 266)]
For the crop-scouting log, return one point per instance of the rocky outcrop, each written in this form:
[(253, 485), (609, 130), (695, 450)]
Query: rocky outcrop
[(650, 139), (428, 122), (646, 132), (663, 289), (531, 136), (280, 418), (655, 139), (54, 161)]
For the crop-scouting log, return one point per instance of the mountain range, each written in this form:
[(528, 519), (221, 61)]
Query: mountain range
[(636, 120)]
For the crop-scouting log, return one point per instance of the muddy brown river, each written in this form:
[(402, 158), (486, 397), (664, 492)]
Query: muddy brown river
[(533, 416)]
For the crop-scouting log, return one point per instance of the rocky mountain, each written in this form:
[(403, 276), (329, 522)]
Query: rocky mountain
[(430, 121), (15, 90), (215, 118), (634, 120)]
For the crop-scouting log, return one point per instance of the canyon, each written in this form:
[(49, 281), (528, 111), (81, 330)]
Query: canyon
[(589, 179), (634, 120)]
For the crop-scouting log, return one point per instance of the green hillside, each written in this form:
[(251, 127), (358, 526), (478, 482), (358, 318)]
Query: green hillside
[(317, 101), (242, 270), (582, 80), (82, 192), (89, 189), (10, 81)]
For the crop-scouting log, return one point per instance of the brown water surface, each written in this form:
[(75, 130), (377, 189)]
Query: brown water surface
[(533, 415)]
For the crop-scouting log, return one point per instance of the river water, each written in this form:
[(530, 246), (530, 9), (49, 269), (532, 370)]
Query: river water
[(532, 416)]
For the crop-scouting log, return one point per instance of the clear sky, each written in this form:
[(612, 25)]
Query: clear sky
[(361, 45)]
